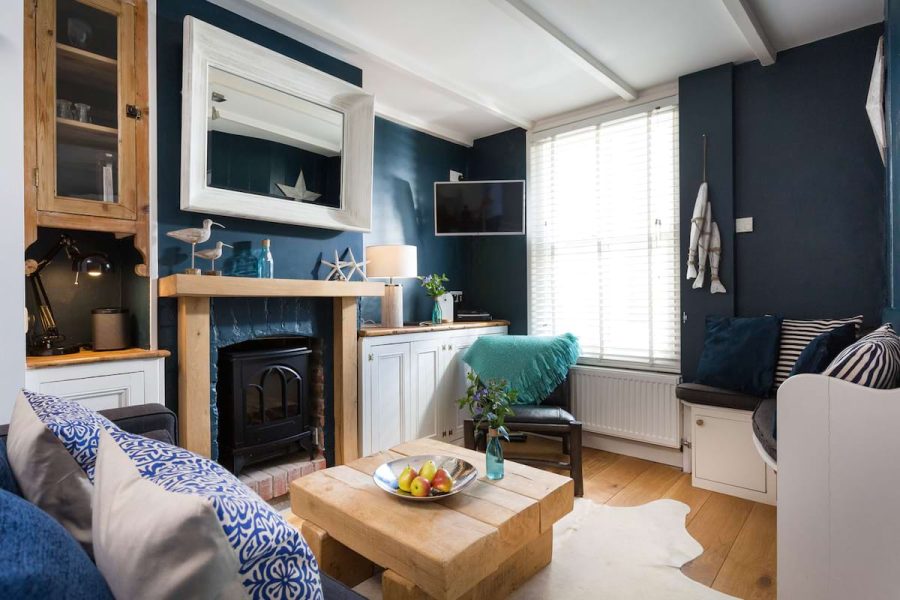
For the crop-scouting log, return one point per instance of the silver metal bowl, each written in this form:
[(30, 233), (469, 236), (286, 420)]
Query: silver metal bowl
[(462, 472)]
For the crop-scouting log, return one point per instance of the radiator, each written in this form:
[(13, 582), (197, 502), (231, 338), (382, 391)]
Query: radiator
[(628, 404)]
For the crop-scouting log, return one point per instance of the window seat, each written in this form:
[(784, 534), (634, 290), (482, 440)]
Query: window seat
[(696, 393)]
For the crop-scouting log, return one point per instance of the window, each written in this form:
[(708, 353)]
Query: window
[(603, 259)]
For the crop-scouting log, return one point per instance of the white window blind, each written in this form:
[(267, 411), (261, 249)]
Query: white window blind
[(603, 258)]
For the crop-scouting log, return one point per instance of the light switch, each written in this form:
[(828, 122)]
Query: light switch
[(743, 225)]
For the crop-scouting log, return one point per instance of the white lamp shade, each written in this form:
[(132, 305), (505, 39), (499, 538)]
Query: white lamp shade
[(394, 261)]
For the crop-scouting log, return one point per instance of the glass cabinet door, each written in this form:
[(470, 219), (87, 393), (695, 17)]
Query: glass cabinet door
[(86, 117)]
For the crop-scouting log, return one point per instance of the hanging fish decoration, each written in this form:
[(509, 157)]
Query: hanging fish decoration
[(715, 255), (703, 252), (696, 229)]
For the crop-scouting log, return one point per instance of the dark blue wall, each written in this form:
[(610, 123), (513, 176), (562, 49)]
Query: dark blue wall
[(892, 114), (705, 101), (407, 163), (498, 264), (806, 168)]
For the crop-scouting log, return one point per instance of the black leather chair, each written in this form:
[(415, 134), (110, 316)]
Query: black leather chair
[(552, 417)]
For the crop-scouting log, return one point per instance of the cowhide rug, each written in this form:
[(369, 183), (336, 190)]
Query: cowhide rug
[(612, 553)]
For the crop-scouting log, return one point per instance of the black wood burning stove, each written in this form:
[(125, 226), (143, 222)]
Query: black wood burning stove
[(264, 401)]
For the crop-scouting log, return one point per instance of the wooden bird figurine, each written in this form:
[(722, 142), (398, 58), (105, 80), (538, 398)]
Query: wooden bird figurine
[(194, 236), (212, 254)]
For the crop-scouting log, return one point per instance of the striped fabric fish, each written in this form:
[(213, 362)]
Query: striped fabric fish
[(703, 253), (872, 361), (696, 229), (715, 255), (796, 335)]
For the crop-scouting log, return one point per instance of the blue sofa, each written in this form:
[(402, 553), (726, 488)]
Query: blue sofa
[(36, 549)]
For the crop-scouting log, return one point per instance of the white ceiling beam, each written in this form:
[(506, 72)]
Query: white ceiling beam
[(752, 30), (375, 50), (581, 57)]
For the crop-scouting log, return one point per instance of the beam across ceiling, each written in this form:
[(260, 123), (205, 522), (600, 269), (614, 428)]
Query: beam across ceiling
[(526, 15), (383, 53), (745, 19)]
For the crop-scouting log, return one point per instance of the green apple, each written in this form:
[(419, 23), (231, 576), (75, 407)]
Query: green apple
[(428, 470), (442, 481), (406, 478), (420, 487)]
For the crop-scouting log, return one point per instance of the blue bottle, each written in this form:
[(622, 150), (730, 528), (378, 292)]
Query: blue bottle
[(494, 456), (266, 264), (243, 261)]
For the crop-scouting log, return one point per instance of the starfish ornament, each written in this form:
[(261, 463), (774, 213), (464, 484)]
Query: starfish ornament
[(336, 273), (355, 265), (298, 191)]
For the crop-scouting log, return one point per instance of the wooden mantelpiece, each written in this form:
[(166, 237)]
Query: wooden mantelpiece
[(193, 293)]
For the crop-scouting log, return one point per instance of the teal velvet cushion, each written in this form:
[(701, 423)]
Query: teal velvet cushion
[(40, 560), (823, 349), (740, 354)]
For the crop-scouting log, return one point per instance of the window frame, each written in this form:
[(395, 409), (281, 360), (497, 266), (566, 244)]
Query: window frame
[(531, 137)]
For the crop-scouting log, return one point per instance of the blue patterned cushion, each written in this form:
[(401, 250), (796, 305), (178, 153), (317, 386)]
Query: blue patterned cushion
[(40, 560), (52, 447), (873, 361), (274, 559)]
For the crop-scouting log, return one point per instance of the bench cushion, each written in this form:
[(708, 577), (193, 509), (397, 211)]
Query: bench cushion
[(713, 396), (764, 427), (539, 414)]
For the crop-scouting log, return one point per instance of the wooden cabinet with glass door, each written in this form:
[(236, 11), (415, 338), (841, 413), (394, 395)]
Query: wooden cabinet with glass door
[(87, 117)]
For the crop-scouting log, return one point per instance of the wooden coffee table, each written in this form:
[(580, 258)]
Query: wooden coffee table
[(481, 543)]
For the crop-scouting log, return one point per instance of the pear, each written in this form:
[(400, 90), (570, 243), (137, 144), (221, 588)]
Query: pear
[(428, 470), (406, 478)]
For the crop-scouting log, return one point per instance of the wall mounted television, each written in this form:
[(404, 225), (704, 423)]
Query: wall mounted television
[(479, 207)]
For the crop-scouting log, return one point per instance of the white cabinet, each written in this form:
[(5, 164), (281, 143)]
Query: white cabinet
[(410, 383), (101, 385), (724, 458)]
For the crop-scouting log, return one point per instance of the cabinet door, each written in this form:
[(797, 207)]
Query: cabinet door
[(84, 86), (387, 382), (454, 386), (724, 453), (99, 393), (422, 409)]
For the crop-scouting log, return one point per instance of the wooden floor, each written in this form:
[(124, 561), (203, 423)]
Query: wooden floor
[(738, 536)]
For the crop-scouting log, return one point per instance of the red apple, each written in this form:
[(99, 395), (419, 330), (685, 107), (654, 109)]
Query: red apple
[(420, 487), (442, 481)]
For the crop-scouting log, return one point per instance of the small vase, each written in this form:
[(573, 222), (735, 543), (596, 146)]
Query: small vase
[(436, 314), (494, 456)]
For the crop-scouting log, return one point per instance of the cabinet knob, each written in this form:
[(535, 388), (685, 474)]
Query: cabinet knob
[(443, 346), (449, 346), (699, 422), (371, 357)]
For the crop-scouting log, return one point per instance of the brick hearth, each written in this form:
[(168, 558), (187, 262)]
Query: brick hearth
[(271, 480)]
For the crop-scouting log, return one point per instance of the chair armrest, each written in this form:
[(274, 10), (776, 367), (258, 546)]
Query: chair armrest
[(139, 419)]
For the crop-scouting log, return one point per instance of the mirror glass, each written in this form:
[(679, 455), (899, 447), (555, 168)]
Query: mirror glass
[(267, 142)]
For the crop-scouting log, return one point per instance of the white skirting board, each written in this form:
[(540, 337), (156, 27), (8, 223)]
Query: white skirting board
[(660, 454)]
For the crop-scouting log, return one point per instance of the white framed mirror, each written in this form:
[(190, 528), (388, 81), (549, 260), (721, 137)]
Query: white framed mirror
[(268, 138)]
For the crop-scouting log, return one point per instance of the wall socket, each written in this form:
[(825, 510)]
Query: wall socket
[(455, 176), (743, 225)]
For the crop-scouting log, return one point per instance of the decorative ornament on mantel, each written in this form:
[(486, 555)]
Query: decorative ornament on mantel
[(298, 191), (338, 266), (212, 255), (194, 236)]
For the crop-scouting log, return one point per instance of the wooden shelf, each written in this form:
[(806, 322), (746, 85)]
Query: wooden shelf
[(377, 330), (81, 65), (90, 356), (205, 286), (87, 134)]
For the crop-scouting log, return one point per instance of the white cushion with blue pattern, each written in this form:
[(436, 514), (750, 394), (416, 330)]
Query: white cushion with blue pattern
[(872, 361), (203, 532), (52, 447)]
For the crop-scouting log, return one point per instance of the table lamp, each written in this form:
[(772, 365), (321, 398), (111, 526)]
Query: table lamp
[(393, 261)]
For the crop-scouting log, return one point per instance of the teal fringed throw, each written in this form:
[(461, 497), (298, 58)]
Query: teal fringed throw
[(534, 366)]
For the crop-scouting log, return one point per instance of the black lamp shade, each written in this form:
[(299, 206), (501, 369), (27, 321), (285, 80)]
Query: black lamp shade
[(92, 264)]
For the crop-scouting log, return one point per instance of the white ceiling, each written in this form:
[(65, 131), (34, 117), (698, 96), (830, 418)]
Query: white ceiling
[(463, 69)]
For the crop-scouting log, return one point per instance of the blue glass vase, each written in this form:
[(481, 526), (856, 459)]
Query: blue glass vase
[(436, 313), (242, 262), (494, 456)]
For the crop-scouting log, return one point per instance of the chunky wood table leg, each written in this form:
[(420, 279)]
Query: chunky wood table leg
[(397, 587), (336, 559)]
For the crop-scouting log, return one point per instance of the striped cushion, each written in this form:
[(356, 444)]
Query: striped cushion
[(796, 335), (873, 361)]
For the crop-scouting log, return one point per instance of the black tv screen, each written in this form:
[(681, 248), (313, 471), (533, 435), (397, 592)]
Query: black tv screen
[(479, 208)]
